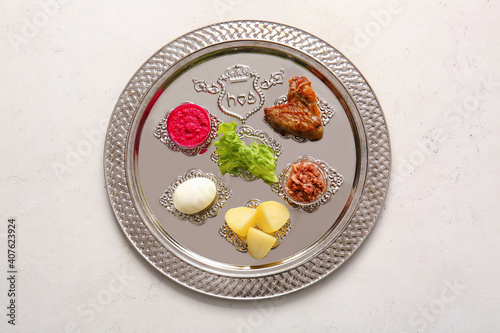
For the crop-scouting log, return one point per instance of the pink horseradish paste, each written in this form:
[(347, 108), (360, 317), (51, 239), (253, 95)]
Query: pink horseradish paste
[(188, 125)]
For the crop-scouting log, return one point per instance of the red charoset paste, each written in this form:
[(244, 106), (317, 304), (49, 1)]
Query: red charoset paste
[(188, 125), (305, 182)]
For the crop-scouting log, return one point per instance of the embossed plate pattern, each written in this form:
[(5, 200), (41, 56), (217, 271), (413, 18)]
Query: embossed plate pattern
[(174, 247)]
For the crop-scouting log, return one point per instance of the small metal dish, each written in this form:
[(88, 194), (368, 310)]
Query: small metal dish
[(161, 132), (331, 178), (287, 172)]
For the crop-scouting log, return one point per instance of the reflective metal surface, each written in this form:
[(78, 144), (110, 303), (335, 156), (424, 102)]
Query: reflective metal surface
[(234, 70)]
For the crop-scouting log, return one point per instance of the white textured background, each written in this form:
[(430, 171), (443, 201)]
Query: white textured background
[(431, 263)]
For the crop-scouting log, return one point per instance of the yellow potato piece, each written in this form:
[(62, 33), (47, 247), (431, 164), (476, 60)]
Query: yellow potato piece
[(271, 216), (259, 243), (240, 219)]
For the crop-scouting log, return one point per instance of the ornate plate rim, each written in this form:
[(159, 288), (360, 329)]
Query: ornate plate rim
[(316, 267)]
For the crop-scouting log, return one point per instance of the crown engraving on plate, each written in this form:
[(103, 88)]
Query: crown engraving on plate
[(237, 73), (241, 100)]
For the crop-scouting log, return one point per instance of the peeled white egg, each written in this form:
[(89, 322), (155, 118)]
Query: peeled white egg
[(194, 195)]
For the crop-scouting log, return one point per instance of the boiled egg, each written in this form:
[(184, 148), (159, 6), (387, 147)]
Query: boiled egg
[(194, 195)]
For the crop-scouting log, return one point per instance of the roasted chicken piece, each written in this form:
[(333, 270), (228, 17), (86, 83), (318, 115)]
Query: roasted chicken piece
[(300, 116)]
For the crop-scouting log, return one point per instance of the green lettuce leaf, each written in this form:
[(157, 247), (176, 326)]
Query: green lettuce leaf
[(235, 155)]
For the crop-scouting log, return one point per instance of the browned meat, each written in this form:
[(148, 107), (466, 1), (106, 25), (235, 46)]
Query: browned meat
[(300, 116)]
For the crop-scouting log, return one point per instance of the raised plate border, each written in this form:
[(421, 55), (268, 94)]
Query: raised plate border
[(322, 264)]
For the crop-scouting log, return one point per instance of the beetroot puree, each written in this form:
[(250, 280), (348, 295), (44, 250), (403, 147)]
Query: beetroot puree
[(188, 125)]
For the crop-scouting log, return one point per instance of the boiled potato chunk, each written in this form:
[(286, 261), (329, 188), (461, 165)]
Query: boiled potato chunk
[(240, 219), (259, 243), (271, 216)]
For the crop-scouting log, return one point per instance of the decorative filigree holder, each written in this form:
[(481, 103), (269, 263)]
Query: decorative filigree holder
[(248, 132), (223, 194), (161, 133), (327, 113), (333, 181), (241, 244)]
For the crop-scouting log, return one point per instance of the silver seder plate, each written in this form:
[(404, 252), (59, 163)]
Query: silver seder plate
[(234, 70)]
